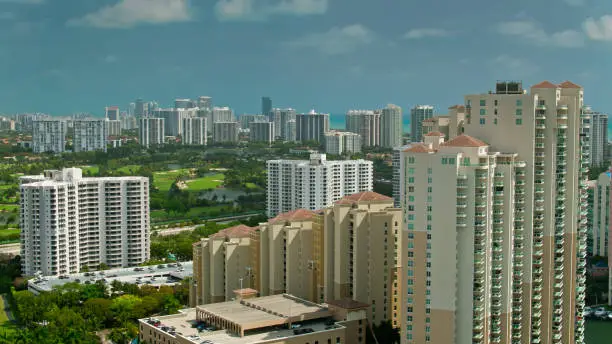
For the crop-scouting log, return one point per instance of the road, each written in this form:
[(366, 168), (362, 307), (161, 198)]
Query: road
[(177, 230), (12, 249)]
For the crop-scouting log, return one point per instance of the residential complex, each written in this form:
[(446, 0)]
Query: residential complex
[(513, 268), (418, 114), (277, 319), (173, 119), (600, 216), (222, 114), (151, 131), (225, 132), (246, 119), (90, 135), (598, 137), (284, 123), (391, 125), (184, 104), (347, 250), (315, 183), (194, 131), (436, 124), (113, 127), (111, 113), (69, 222), (49, 136), (261, 132), (342, 142), (311, 126), (366, 123)]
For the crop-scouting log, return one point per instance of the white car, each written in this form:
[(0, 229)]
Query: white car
[(609, 317), (601, 312), (588, 311)]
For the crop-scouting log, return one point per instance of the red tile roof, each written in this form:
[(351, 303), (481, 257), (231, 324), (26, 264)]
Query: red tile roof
[(240, 231), (419, 148), (464, 141), (366, 196), (545, 84), (569, 84), (434, 133), (295, 215)]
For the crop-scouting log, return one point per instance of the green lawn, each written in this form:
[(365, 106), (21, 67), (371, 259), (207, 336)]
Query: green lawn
[(597, 331), (8, 207), (129, 169), (3, 317), (208, 182), (161, 215), (251, 186), (93, 170), (163, 180)]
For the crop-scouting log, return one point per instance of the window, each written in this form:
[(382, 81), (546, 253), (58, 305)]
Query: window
[(411, 198), (411, 217), (410, 244), (410, 291), (411, 170), (429, 188), (519, 121), (451, 161), (411, 189), (411, 208), (428, 292), (482, 121), (411, 160), (496, 102), (429, 170), (410, 254), (429, 180), (483, 112), (519, 102), (410, 282), (410, 263), (519, 112), (428, 208), (495, 121), (444, 161), (411, 226), (410, 235), (483, 102), (428, 236), (410, 179)]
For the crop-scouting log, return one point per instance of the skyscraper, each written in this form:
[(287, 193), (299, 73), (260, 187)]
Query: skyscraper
[(194, 131), (600, 216), (225, 132), (184, 104), (342, 142), (151, 131), (49, 136), (69, 222), (509, 265), (140, 108), (112, 113), (598, 137), (266, 105), (366, 123), (222, 114), (315, 183), (391, 129), (173, 119), (281, 119), (311, 126), (90, 135), (417, 115), (262, 131)]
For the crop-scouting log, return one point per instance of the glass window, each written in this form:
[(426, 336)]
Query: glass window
[(483, 102), (483, 112), (519, 102), (411, 170), (482, 121), (411, 198), (444, 161), (410, 179), (519, 112), (495, 121), (411, 226), (519, 121), (451, 161), (411, 217)]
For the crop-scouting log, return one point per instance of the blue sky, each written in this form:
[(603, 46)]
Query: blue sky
[(65, 56)]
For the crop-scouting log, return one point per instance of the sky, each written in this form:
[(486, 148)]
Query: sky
[(67, 56)]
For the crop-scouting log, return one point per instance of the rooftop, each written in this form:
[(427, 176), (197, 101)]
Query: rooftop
[(294, 215), (569, 84), (240, 231), (348, 303), (464, 141), (366, 196), (545, 84), (419, 148), (434, 133)]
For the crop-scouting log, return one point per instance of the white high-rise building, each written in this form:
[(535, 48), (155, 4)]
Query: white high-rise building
[(281, 119), (261, 132), (598, 137), (90, 135), (113, 128), (194, 131), (311, 126), (342, 142), (391, 128), (246, 119), (112, 113), (49, 136), (600, 217), (69, 222), (173, 119), (496, 222), (184, 104), (365, 123), (225, 132), (418, 114), (314, 184), (222, 114), (151, 131)]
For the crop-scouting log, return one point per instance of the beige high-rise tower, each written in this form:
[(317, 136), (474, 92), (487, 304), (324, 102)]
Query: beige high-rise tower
[(496, 222)]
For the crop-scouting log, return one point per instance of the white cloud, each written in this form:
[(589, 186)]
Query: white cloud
[(575, 3), (599, 29), (24, 2), (336, 41), (260, 10), (533, 32), (129, 13), (426, 32), (513, 67)]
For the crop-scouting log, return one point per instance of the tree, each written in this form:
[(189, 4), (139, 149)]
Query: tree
[(125, 308), (97, 312)]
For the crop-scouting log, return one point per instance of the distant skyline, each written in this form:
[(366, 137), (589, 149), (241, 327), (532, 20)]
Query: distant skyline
[(67, 56)]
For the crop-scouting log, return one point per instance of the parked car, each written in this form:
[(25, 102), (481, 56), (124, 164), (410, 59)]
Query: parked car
[(609, 316), (588, 311), (601, 312)]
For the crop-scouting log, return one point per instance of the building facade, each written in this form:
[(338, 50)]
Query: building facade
[(391, 129), (261, 132), (112, 113), (222, 114), (151, 131), (436, 124), (342, 142), (194, 131), (246, 119), (600, 218), (113, 127), (69, 222), (315, 183), (173, 119), (49, 136), (266, 105), (513, 269), (225, 132), (284, 123), (90, 135), (349, 250), (598, 136), (418, 114), (311, 126), (366, 123)]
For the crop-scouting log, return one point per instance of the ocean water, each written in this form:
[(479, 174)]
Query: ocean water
[(337, 121)]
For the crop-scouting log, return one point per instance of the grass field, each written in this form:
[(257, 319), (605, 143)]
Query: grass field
[(163, 180), (129, 169), (93, 170), (161, 215), (597, 331), (8, 207), (208, 182)]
